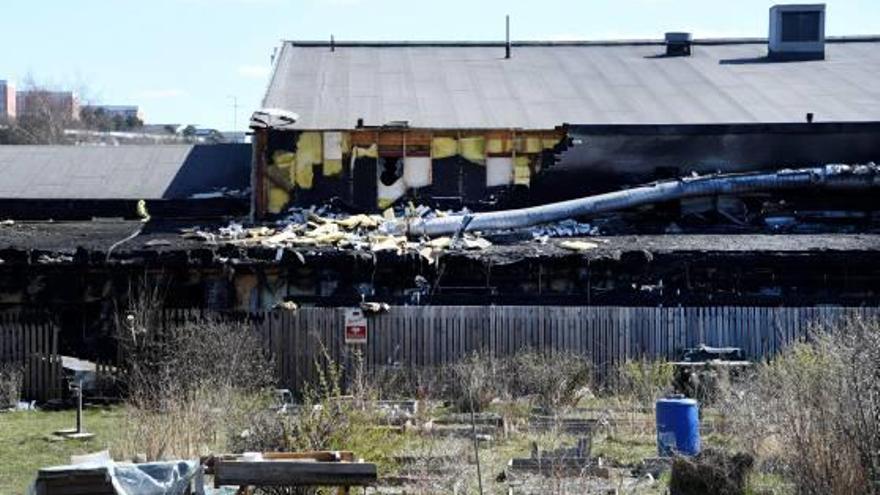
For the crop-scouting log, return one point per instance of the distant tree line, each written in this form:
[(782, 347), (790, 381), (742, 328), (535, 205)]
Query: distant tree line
[(98, 119), (45, 121)]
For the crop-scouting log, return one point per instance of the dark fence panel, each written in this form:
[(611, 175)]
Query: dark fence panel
[(31, 343), (437, 335)]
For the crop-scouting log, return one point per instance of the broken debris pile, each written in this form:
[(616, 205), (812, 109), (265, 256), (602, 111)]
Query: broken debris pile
[(308, 228), (323, 228)]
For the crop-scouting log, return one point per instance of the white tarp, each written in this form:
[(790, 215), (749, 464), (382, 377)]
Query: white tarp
[(151, 478)]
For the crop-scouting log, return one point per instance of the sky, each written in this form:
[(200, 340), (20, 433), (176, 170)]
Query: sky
[(207, 62)]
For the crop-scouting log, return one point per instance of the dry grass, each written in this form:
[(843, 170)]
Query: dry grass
[(11, 377), (813, 414)]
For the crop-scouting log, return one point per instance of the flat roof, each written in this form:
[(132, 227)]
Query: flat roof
[(121, 172)]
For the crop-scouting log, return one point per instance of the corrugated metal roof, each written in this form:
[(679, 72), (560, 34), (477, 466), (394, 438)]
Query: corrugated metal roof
[(471, 85), (121, 172)]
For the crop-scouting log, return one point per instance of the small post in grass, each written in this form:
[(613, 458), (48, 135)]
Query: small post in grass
[(79, 432)]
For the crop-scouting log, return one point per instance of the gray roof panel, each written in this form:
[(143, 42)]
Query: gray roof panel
[(121, 172), (543, 85)]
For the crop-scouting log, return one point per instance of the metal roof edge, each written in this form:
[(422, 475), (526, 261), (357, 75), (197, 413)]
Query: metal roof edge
[(276, 60), (868, 38)]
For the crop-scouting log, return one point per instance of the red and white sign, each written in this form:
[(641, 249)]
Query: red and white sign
[(355, 326)]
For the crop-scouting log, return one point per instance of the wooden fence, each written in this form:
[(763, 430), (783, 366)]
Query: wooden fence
[(434, 335), (30, 343)]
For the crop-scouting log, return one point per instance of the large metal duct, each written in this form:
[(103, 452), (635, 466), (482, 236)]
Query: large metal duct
[(826, 177)]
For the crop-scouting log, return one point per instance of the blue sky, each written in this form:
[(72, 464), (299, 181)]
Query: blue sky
[(184, 60)]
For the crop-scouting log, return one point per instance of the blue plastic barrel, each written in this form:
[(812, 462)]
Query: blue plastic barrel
[(678, 426)]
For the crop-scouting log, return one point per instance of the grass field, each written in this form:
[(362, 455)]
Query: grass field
[(26, 442)]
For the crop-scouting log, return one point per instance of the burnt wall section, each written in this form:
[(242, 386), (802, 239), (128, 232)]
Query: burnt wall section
[(607, 157), (600, 158), (86, 287), (632, 271), (373, 168)]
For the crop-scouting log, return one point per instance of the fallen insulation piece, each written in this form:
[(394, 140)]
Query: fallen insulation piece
[(388, 244), (475, 243), (356, 221), (428, 253), (578, 245)]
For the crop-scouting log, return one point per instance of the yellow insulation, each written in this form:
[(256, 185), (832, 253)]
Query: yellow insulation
[(335, 144), (283, 159), (550, 143), (332, 168), (528, 144), (473, 149), (278, 199), (384, 203), (304, 174), (443, 147), (371, 152), (521, 174), (498, 145), (309, 150)]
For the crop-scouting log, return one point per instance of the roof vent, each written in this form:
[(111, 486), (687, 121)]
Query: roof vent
[(797, 32), (678, 44)]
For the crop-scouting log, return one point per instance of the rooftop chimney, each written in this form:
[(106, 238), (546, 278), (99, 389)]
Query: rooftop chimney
[(678, 44), (797, 32)]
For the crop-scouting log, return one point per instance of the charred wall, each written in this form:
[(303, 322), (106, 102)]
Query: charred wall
[(608, 157), (86, 292), (370, 168)]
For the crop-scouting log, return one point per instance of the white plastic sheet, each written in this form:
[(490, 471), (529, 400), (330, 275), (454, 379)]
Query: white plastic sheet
[(152, 478)]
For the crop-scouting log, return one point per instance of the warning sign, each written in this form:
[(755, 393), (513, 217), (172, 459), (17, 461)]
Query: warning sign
[(355, 326)]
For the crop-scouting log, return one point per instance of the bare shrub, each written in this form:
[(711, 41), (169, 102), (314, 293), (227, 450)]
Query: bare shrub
[(477, 380), (551, 381), (813, 413), (185, 384), (411, 382), (259, 430), (643, 381), (11, 381), (554, 381), (325, 419)]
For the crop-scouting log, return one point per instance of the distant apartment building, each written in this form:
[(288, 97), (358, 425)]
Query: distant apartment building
[(7, 101), (63, 104), (124, 111)]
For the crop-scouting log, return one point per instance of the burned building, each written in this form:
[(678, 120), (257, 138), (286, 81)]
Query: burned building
[(437, 135), (488, 125)]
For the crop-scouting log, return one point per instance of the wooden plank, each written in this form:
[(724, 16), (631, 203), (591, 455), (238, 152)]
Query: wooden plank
[(293, 473)]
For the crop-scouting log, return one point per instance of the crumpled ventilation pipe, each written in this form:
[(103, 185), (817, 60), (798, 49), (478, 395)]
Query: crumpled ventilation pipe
[(827, 177)]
